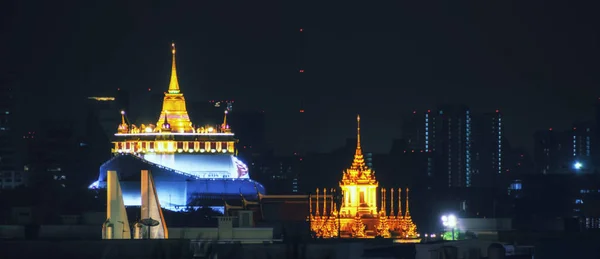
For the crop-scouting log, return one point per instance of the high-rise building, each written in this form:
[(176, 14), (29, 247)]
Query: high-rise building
[(52, 152), (10, 173), (552, 151), (518, 162), (414, 131), (487, 149), (7, 147), (451, 144), (582, 138), (447, 134), (105, 109)]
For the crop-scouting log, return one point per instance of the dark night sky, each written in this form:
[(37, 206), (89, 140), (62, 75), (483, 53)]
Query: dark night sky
[(534, 60)]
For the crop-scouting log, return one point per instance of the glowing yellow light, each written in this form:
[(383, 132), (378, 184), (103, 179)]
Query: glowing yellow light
[(102, 99)]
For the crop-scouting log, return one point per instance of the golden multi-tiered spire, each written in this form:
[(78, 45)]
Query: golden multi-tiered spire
[(359, 161), (174, 102), (407, 212), (174, 83), (359, 181), (359, 169)]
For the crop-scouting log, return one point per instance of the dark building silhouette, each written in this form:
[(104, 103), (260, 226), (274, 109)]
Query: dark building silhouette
[(105, 112), (552, 201), (53, 153), (451, 130), (552, 151), (583, 140), (11, 174), (123, 98), (414, 129), (488, 148), (518, 162), (447, 134)]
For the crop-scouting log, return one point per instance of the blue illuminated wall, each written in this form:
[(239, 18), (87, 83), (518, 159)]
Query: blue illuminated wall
[(175, 189), (202, 165)]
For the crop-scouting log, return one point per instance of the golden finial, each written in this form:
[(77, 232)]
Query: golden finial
[(123, 117), (358, 131), (123, 127), (310, 212), (317, 202), (224, 126), (324, 201), (399, 202), (407, 212), (174, 84), (382, 199), (359, 162), (392, 202)]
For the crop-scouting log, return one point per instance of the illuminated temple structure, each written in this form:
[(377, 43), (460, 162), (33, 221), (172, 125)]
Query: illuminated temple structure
[(358, 215), (188, 162)]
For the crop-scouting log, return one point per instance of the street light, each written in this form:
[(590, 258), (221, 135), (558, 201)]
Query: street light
[(450, 221), (577, 165)]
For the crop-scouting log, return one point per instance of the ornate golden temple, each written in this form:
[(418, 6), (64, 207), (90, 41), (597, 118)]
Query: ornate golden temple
[(174, 131), (358, 215)]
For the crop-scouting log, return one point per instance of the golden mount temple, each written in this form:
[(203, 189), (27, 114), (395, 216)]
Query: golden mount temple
[(358, 215), (189, 163), (175, 122)]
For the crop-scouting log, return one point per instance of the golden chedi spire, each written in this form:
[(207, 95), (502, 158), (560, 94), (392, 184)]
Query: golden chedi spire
[(174, 103), (358, 169), (359, 182), (359, 161), (174, 83)]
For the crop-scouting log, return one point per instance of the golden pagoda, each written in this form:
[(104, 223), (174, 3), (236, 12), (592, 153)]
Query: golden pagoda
[(174, 131), (174, 110), (358, 215)]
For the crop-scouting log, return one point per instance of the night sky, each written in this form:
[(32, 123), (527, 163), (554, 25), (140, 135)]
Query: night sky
[(537, 61)]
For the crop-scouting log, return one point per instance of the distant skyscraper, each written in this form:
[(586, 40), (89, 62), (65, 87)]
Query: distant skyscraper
[(487, 149), (10, 173), (7, 147), (452, 145), (415, 130), (106, 111), (446, 134), (552, 150), (582, 138)]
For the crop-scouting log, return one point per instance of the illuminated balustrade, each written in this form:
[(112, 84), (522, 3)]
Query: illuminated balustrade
[(174, 147)]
